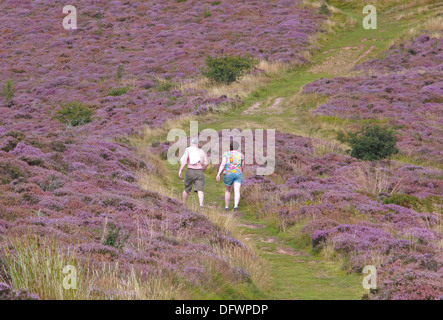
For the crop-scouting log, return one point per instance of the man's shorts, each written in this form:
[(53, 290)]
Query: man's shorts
[(196, 178), (230, 178)]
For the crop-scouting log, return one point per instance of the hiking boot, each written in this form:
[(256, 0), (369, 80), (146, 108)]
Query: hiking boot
[(236, 209), (226, 208)]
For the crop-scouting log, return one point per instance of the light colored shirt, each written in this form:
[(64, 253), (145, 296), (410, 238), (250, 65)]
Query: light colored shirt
[(194, 157)]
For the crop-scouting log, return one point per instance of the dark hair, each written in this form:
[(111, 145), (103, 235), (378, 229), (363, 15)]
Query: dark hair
[(234, 145)]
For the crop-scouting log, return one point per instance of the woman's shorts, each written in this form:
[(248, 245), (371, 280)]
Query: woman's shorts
[(230, 178)]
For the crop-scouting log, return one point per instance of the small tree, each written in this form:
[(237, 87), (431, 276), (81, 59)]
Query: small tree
[(74, 114), (226, 70), (8, 91), (370, 143)]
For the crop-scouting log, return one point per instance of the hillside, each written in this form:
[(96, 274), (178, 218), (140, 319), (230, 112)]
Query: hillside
[(100, 195)]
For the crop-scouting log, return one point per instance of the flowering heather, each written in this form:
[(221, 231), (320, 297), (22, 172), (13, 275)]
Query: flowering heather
[(6, 293), (124, 61), (147, 39), (406, 92), (340, 202)]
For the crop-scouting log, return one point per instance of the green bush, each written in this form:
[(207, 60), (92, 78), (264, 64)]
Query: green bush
[(404, 200), (226, 70), (74, 114), (324, 9), (120, 71), (370, 143), (164, 85), (16, 134), (206, 12), (428, 204), (115, 237), (118, 91), (9, 172), (8, 91)]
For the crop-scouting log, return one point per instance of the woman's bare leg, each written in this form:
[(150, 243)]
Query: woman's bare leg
[(237, 186), (227, 196)]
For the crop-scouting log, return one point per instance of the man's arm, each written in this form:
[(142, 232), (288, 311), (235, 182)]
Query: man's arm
[(184, 161), (205, 161)]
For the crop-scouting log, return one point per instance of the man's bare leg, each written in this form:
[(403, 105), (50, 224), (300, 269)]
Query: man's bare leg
[(227, 196), (185, 197), (201, 197)]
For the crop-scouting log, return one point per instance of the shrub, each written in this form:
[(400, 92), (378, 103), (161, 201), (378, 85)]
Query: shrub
[(120, 71), (74, 114), (226, 70), (33, 161), (99, 16), (428, 204), (370, 143), (51, 183), (9, 172), (9, 144), (164, 85), (118, 91), (8, 91), (206, 12), (115, 237), (58, 146), (324, 9), (404, 200), (19, 135)]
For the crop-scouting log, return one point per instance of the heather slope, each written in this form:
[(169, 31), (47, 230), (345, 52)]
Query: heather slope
[(323, 204), (103, 190), (77, 185)]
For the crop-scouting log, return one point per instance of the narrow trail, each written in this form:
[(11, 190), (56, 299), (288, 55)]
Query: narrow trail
[(297, 273)]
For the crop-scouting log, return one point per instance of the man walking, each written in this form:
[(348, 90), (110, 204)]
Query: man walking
[(197, 162)]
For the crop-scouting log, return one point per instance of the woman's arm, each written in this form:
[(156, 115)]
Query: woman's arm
[(220, 169)]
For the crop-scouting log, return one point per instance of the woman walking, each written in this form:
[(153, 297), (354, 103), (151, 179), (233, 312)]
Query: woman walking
[(232, 166)]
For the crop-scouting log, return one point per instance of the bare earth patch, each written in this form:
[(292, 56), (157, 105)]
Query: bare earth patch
[(251, 225), (276, 107), (341, 60), (252, 109), (269, 239), (290, 251)]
